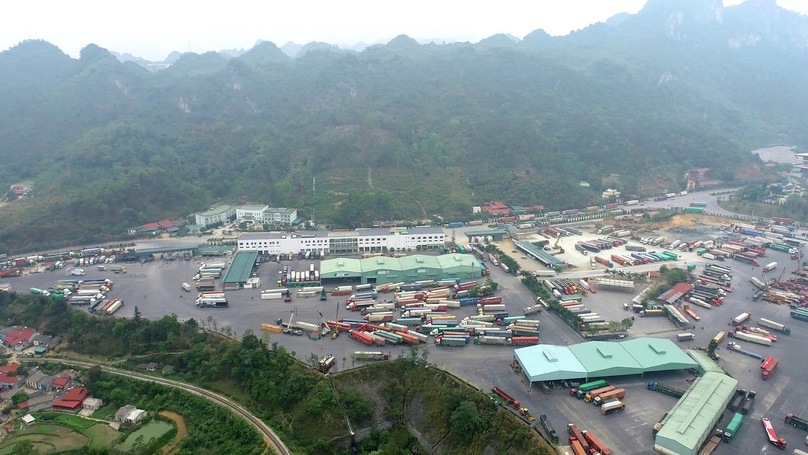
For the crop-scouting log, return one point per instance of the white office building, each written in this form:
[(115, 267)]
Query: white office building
[(217, 214), (337, 242), (261, 214)]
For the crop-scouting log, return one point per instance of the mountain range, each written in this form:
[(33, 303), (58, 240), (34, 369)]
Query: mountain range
[(398, 130)]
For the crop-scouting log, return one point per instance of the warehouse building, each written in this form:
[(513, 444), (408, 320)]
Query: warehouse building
[(689, 423), (240, 268), (343, 242), (384, 269), (599, 359)]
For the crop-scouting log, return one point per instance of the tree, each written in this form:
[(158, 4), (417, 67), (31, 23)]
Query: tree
[(465, 420), (138, 316), (24, 447), (19, 398), (627, 323)]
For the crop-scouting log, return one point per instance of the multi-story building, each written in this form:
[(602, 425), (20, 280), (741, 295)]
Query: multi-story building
[(337, 242), (257, 213), (280, 215), (250, 212), (217, 214)]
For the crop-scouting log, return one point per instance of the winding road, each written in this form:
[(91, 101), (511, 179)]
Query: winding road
[(272, 440)]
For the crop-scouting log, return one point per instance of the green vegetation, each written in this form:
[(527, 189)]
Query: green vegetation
[(386, 133), (510, 262), (275, 387), (765, 201)]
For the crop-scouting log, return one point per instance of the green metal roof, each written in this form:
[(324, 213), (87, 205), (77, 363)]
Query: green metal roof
[(166, 249), (217, 210), (371, 265), (601, 359), (705, 362), (689, 423), (545, 362), (241, 267), (449, 261), (657, 354), (340, 268), (595, 359), (214, 250), (417, 262)]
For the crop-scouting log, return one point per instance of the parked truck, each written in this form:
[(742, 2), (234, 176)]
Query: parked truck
[(616, 394), (778, 442), (757, 339), (580, 391), (667, 390), (592, 394), (733, 427), (548, 428), (747, 403), (741, 318), (774, 325), (578, 435), (712, 444), (768, 366), (737, 400), (797, 422), (501, 393), (612, 407)]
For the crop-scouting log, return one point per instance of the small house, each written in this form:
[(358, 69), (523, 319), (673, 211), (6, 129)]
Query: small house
[(28, 419), (72, 400), (120, 415), (92, 403), (168, 369)]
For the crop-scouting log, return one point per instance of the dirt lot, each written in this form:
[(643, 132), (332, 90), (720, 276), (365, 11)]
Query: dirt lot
[(182, 431)]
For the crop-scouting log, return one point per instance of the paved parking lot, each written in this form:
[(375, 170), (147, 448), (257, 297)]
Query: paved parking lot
[(155, 289)]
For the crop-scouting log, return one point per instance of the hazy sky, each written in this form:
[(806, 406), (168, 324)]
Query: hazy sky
[(151, 29)]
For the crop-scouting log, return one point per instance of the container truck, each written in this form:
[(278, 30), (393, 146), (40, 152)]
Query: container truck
[(685, 337), (578, 436), (757, 339), (580, 391), (741, 318), (612, 407), (595, 393), (616, 394), (605, 262), (595, 444), (733, 427), (449, 341), (768, 366), (774, 325), (769, 267), (492, 340), (114, 307), (362, 337), (370, 355), (533, 309), (745, 260), (801, 314), (778, 442)]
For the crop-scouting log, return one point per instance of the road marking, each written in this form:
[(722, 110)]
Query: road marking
[(771, 396)]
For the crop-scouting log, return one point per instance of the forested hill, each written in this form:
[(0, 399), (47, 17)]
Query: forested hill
[(399, 130)]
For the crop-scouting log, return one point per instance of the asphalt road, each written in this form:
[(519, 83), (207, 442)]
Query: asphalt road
[(272, 440)]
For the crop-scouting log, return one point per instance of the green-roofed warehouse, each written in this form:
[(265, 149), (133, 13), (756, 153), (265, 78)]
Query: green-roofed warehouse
[(689, 423), (340, 270), (706, 364), (241, 267), (602, 359), (384, 269), (599, 359)]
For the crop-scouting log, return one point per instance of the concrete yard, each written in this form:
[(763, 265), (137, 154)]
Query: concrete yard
[(155, 289)]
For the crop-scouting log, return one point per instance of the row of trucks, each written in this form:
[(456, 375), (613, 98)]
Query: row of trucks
[(798, 422), (584, 442), (742, 401)]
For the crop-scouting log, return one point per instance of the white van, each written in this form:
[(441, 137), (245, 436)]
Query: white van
[(78, 272), (187, 287)]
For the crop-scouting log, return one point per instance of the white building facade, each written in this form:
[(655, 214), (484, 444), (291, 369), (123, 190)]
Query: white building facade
[(217, 214), (327, 242)]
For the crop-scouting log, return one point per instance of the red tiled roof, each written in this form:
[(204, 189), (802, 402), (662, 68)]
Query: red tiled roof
[(6, 379), (60, 382), (72, 399), (151, 226), (9, 368), (18, 335), (165, 224)]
